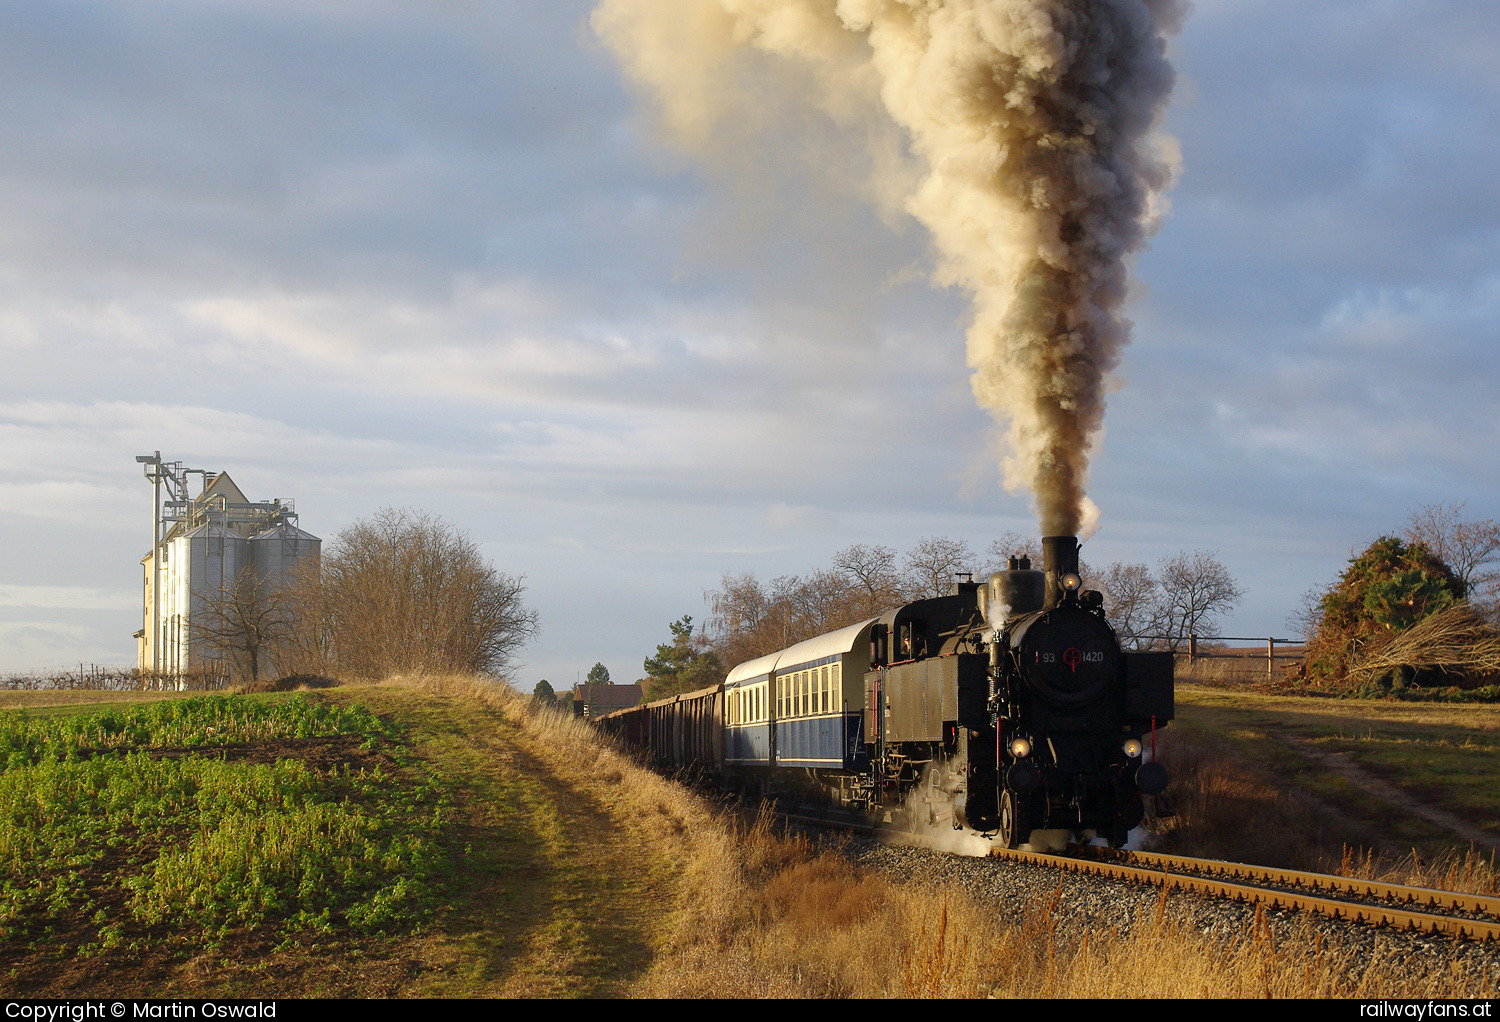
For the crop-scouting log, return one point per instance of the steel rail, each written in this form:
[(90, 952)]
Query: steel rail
[(1394, 894), (1334, 897), (1347, 911)]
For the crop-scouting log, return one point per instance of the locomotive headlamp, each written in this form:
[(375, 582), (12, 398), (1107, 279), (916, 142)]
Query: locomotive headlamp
[(1132, 747), (1020, 748), (1070, 582)]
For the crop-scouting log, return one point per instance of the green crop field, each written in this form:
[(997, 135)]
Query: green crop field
[(183, 825), (370, 841)]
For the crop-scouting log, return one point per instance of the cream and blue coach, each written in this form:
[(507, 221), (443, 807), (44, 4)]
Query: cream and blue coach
[(801, 706)]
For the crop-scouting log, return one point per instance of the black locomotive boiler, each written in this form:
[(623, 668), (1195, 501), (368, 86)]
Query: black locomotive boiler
[(1007, 706), (1052, 718)]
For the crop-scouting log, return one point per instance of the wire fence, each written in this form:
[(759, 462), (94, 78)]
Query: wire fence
[(1211, 655), (112, 678)]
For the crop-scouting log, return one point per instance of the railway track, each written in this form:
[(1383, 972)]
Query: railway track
[(1414, 909), (1366, 902)]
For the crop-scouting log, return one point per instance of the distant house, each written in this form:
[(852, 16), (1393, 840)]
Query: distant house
[(590, 701), (207, 546)]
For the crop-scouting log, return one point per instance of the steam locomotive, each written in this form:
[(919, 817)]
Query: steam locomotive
[(1007, 706)]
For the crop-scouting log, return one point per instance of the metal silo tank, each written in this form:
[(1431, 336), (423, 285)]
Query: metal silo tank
[(277, 551)]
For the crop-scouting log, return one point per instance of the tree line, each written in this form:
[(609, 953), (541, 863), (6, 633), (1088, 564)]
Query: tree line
[(1415, 609), (1150, 608)]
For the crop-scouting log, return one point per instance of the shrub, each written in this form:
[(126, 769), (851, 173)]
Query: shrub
[(407, 593), (1396, 619)]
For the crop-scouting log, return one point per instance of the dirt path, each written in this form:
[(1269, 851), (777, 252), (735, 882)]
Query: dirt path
[(560, 893), (1344, 766)]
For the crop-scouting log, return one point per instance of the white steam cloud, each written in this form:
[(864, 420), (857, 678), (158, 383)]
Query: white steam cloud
[(1030, 155)]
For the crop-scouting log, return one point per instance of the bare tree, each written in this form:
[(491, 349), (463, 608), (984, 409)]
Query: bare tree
[(1193, 590), (407, 592), (736, 610), (872, 571), (1130, 597), (751, 618), (1466, 547), (826, 601), (932, 563), (1307, 619), (1012, 544), (244, 622)]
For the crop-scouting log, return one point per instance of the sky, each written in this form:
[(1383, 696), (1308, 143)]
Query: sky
[(405, 254)]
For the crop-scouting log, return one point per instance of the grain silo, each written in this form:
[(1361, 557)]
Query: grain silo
[(217, 565)]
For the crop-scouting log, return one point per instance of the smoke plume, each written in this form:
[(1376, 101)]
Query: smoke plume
[(1037, 171)]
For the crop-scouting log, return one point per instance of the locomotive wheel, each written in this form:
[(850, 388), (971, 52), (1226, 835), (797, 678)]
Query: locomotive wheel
[(1014, 826)]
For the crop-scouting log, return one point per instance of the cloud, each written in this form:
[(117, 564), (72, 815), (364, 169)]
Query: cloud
[(784, 516), (69, 597), (429, 256)]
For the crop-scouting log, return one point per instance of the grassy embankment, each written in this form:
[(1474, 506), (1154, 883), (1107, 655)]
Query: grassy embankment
[(553, 866)]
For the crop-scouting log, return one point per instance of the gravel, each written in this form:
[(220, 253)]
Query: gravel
[(1089, 904)]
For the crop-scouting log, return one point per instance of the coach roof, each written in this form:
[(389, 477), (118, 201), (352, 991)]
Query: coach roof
[(809, 651)]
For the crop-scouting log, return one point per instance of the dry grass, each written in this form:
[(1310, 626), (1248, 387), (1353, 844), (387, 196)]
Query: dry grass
[(764, 914), (1165, 956), (815, 926), (1457, 643), (1226, 808), (1466, 871), (1234, 669), (647, 824)]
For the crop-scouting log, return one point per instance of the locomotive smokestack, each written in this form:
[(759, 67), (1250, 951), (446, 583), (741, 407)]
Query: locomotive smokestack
[(1059, 558)]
